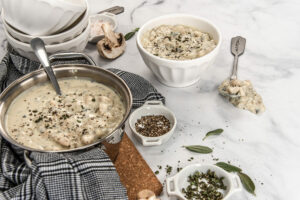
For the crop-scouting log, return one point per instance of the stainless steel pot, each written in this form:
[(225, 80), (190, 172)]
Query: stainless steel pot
[(62, 71)]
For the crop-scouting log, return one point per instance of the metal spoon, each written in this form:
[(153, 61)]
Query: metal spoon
[(38, 47), (237, 48), (115, 10)]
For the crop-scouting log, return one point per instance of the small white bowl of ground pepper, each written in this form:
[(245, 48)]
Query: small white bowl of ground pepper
[(153, 123), (199, 181)]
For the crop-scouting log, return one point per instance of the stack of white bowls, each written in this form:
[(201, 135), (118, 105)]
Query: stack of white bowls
[(63, 25)]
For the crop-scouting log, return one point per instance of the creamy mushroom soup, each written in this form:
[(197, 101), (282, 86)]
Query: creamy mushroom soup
[(178, 42), (248, 98), (86, 111)]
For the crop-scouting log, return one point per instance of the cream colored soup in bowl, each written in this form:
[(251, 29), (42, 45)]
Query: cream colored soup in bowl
[(177, 42), (85, 112)]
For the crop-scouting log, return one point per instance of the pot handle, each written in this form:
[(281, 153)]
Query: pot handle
[(70, 56), (236, 183), (27, 159), (153, 103), (172, 187), (151, 142)]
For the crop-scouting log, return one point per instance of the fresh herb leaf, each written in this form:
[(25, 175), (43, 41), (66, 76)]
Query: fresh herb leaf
[(247, 183), (214, 132), (227, 167), (131, 34), (199, 149), (245, 179)]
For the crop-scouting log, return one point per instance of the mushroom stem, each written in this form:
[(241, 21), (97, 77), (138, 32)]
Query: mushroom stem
[(108, 33)]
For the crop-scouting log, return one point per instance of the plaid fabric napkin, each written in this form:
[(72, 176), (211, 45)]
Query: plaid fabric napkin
[(79, 175)]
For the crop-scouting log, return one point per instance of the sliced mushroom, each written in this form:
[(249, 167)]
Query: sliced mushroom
[(146, 195), (112, 45)]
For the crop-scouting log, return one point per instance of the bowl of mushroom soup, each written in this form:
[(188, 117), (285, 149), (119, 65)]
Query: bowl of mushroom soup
[(178, 48)]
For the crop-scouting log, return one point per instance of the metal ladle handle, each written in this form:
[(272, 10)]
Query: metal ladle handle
[(237, 48), (38, 47)]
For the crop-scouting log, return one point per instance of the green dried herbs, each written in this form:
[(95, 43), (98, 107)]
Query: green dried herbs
[(245, 179), (131, 34), (169, 169), (204, 186), (214, 132), (199, 149)]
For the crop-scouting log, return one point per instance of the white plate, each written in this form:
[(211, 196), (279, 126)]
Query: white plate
[(72, 32), (42, 17), (75, 45)]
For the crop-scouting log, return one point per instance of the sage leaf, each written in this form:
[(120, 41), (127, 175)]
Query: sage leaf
[(199, 149), (214, 132), (227, 167), (247, 183), (131, 34)]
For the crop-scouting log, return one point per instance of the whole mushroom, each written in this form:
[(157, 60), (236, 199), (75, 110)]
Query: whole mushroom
[(146, 195), (112, 45)]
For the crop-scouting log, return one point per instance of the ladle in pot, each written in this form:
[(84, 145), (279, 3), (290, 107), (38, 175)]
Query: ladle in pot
[(38, 47)]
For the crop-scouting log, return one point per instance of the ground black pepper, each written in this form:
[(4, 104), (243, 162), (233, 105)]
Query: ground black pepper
[(153, 125)]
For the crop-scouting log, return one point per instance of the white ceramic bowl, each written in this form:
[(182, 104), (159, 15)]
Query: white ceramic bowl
[(152, 108), (179, 181), (75, 45), (74, 30), (181, 73), (105, 17), (42, 17)]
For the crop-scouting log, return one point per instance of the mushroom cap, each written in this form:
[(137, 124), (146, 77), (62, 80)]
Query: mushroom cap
[(109, 52), (112, 45), (146, 195)]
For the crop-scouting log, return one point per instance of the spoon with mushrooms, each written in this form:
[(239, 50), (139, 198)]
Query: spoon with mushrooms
[(241, 92), (227, 88)]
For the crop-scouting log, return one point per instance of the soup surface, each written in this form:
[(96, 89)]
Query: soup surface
[(86, 111), (178, 42)]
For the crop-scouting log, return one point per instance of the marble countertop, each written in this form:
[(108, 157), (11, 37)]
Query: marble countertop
[(266, 147)]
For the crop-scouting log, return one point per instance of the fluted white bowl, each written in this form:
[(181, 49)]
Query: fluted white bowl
[(77, 44), (74, 30), (179, 73), (42, 17)]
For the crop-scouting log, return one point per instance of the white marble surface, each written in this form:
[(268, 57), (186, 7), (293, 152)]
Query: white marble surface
[(266, 147)]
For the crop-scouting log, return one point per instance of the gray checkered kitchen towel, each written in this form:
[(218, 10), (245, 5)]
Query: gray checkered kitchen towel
[(79, 175)]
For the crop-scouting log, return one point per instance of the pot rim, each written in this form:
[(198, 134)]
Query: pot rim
[(57, 67)]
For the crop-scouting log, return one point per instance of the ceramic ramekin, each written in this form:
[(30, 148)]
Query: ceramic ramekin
[(179, 181), (152, 108), (179, 73)]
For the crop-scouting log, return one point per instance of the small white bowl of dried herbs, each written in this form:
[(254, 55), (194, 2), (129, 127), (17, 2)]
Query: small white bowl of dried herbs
[(153, 123), (199, 181)]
